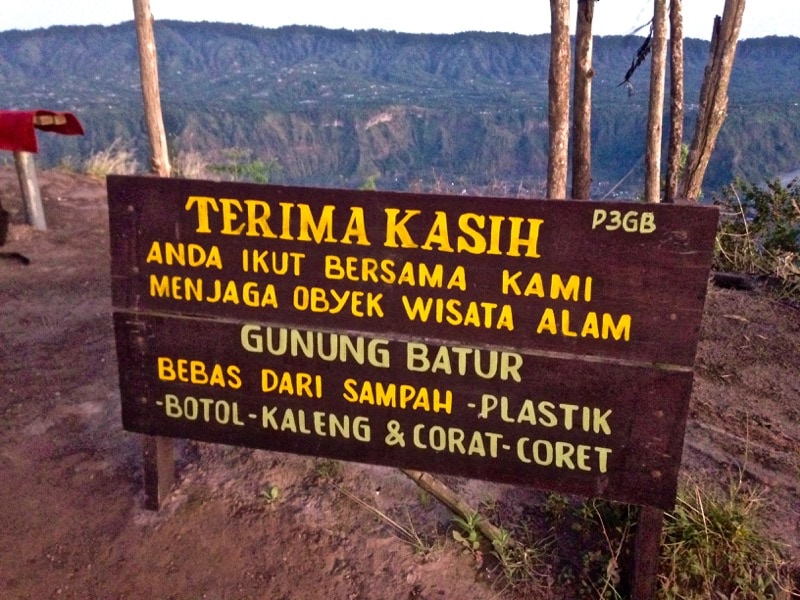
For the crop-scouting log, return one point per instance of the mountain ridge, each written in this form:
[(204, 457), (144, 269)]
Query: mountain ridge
[(334, 107)]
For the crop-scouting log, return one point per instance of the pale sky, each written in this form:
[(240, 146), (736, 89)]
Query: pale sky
[(761, 17)]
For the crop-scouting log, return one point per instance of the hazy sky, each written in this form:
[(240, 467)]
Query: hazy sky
[(761, 17)]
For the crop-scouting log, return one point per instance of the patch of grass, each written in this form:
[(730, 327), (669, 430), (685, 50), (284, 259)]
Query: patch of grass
[(327, 468), (68, 164), (406, 533), (117, 159), (604, 529), (557, 506), (521, 551), (425, 499), (591, 539), (523, 560), (712, 547)]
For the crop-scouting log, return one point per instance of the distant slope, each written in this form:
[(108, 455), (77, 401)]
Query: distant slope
[(334, 107)]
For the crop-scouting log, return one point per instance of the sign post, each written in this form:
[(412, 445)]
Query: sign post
[(528, 342), (29, 186)]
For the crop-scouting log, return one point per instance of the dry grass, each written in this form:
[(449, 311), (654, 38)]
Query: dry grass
[(117, 159), (191, 165)]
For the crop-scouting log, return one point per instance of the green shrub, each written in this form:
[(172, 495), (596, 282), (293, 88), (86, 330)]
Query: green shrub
[(712, 547), (760, 231), (240, 165)]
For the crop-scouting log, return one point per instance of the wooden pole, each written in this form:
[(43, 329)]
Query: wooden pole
[(676, 100), (713, 96), (652, 175), (582, 118), (558, 105), (29, 185), (148, 64), (647, 552), (158, 453)]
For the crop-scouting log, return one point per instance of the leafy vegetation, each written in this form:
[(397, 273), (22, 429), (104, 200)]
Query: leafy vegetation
[(269, 494), (239, 165), (523, 562), (327, 468), (760, 232), (467, 533), (593, 544), (713, 547)]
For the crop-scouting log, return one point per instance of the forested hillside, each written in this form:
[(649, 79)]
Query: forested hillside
[(336, 107)]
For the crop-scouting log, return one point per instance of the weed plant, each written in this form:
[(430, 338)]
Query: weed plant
[(467, 533), (520, 554), (712, 548), (523, 560), (605, 531), (327, 468), (406, 533)]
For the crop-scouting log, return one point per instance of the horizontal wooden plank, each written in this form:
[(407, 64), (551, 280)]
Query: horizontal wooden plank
[(554, 423), (613, 280), (49, 120)]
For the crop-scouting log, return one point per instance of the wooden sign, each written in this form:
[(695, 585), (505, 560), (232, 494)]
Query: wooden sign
[(523, 341)]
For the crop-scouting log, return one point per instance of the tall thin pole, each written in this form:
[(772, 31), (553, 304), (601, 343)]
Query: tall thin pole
[(148, 64), (713, 96), (558, 106), (676, 100), (158, 453), (582, 119), (652, 176)]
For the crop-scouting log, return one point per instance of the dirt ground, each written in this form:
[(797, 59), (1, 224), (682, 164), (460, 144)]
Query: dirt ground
[(72, 523)]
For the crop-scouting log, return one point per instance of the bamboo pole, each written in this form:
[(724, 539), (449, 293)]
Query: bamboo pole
[(582, 118), (652, 175), (439, 490)]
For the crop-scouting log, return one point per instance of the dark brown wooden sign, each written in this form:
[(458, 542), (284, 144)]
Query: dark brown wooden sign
[(523, 341)]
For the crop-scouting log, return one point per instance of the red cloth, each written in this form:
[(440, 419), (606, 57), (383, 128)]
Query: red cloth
[(17, 128)]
